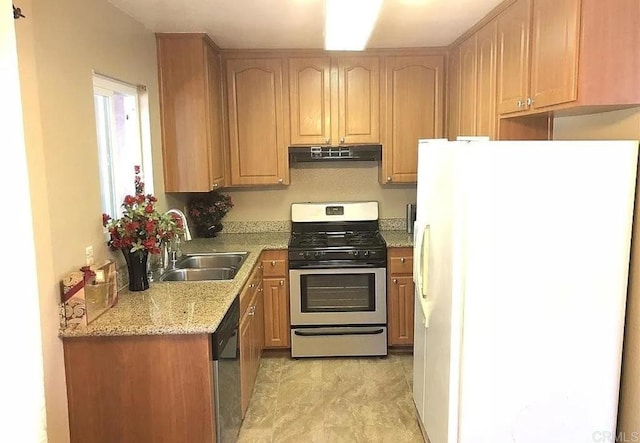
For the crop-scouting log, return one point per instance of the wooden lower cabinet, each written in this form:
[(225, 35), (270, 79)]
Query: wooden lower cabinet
[(136, 389), (400, 297), (277, 323), (251, 335)]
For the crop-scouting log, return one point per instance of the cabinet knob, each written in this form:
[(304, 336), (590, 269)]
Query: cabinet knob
[(402, 259), (520, 103), (281, 282), (252, 285), (280, 180), (388, 179), (529, 101), (341, 140), (273, 262), (215, 185), (260, 289), (327, 141), (395, 281), (252, 311), (260, 267)]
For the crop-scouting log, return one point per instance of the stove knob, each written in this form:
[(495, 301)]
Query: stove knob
[(366, 253), (317, 254), (306, 254), (356, 253)]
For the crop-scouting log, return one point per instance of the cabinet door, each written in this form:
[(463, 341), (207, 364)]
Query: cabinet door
[(184, 102), (258, 152), (358, 100), (486, 117), (513, 57), (214, 87), (413, 111), (277, 325), (554, 58), (258, 331), (246, 360), (310, 100), (453, 94), (468, 80), (400, 306)]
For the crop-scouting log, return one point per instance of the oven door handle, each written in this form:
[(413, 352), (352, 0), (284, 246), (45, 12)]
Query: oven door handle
[(338, 331)]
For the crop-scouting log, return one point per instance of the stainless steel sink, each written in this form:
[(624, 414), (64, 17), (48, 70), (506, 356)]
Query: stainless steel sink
[(199, 274), (205, 266), (212, 260)]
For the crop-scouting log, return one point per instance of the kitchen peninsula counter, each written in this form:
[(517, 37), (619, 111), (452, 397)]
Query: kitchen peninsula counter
[(183, 307)]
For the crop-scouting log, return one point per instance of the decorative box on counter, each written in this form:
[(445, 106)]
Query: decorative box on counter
[(87, 294)]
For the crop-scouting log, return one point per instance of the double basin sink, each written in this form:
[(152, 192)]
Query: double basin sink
[(206, 266)]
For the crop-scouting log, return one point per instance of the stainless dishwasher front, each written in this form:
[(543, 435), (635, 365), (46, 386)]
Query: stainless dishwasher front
[(226, 375)]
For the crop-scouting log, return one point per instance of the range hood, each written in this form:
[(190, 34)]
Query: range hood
[(334, 153)]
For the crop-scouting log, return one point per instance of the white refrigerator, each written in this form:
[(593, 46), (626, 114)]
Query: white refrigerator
[(521, 256)]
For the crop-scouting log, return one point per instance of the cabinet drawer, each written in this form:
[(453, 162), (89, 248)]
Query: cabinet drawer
[(400, 261), (274, 263), (249, 289)]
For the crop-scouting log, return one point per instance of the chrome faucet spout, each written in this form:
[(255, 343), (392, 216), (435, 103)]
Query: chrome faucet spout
[(187, 233)]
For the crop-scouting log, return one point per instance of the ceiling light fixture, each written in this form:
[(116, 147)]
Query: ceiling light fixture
[(348, 23)]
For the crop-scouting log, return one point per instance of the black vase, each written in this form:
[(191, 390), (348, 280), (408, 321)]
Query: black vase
[(137, 267), (209, 231)]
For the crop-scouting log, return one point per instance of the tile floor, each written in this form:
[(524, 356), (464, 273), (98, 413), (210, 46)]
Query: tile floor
[(332, 400)]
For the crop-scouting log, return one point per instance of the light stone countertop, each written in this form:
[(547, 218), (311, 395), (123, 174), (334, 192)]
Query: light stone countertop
[(183, 307), (193, 307), (398, 239)]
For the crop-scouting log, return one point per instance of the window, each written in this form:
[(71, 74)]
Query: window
[(122, 123)]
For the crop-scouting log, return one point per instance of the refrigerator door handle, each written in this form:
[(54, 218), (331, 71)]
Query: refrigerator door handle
[(423, 270)]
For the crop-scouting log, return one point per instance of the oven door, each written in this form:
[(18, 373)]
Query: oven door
[(341, 296)]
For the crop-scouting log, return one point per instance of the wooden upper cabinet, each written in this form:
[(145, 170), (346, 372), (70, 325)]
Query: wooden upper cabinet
[(413, 110), (453, 94), (486, 116), (554, 52), (190, 113), (468, 86), (358, 99), (216, 153), (310, 100), (513, 57), (257, 145), (334, 100)]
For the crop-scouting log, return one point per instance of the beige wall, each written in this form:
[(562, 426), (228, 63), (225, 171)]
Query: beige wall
[(59, 44), (317, 182), (623, 124)]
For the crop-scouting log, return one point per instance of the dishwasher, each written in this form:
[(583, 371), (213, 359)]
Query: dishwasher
[(226, 375)]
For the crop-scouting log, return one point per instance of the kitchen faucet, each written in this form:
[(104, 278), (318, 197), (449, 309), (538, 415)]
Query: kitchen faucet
[(171, 256)]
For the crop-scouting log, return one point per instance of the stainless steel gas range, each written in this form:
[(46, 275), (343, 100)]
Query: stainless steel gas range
[(337, 274)]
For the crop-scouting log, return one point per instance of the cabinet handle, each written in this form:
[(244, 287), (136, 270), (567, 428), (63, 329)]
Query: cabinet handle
[(273, 262), (520, 103), (280, 180), (395, 281), (260, 289), (388, 179), (341, 140), (252, 311), (529, 101), (281, 282), (215, 185), (252, 285), (402, 259)]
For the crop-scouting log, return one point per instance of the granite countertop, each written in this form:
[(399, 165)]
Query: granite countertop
[(398, 239), (193, 307), (183, 307)]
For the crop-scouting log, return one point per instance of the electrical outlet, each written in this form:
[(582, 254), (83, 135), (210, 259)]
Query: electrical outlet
[(88, 254)]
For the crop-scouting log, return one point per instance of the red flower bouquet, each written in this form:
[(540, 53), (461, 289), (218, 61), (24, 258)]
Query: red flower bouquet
[(141, 226)]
